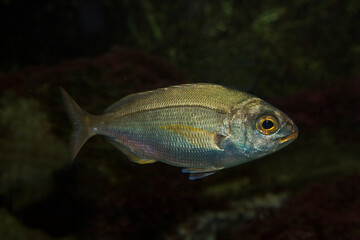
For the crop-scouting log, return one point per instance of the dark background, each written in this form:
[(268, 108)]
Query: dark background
[(302, 56)]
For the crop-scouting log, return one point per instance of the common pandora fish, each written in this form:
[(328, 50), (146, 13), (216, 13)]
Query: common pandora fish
[(202, 128)]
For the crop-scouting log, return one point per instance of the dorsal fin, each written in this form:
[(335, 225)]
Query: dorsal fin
[(199, 94), (126, 100)]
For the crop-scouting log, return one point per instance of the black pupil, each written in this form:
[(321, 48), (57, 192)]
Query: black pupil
[(267, 124)]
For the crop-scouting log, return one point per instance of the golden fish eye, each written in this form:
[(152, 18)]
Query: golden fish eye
[(267, 124)]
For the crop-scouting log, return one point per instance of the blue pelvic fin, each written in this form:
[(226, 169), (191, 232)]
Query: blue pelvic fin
[(194, 176), (196, 173)]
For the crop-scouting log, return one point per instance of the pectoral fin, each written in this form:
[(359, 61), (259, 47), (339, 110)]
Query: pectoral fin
[(197, 137), (196, 173)]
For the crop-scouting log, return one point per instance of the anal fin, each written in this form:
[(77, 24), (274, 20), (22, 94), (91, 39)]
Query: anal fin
[(136, 158)]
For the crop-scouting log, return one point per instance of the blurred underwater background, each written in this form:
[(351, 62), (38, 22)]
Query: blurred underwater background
[(301, 56)]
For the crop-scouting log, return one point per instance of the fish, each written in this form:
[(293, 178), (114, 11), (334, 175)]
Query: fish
[(201, 127)]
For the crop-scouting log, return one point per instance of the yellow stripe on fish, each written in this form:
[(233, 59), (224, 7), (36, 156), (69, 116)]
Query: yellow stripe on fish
[(196, 136)]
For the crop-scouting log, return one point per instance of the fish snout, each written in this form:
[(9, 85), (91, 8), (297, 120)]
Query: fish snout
[(292, 136)]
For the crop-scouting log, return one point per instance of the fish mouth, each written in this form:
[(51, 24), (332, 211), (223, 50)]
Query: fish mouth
[(292, 136)]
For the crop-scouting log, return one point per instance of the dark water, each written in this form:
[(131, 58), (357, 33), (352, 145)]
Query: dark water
[(301, 56)]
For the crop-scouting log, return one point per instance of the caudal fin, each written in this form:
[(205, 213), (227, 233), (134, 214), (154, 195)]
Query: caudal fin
[(82, 124)]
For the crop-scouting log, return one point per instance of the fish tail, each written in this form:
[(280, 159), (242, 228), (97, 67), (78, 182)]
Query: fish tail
[(82, 124)]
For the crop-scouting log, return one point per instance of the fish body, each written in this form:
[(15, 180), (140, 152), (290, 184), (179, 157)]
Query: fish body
[(202, 128)]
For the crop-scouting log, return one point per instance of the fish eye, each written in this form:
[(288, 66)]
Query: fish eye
[(267, 124)]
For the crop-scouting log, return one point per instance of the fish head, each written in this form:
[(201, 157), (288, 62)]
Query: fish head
[(258, 128)]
